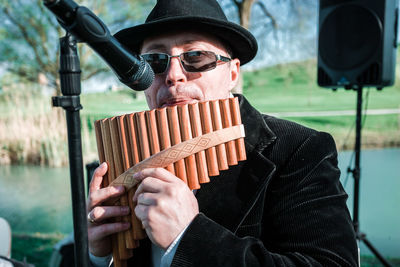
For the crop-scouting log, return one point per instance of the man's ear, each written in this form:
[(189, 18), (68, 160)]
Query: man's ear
[(234, 73)]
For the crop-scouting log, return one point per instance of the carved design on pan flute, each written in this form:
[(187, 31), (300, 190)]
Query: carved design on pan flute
[(180, 151)]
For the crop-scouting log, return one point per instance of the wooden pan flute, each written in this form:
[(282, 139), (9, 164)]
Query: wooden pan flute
[(192, 141)]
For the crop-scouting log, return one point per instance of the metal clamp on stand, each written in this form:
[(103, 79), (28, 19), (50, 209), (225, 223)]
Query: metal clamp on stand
[(71, 103)]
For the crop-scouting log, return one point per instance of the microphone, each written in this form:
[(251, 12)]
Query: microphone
[(131, 69)]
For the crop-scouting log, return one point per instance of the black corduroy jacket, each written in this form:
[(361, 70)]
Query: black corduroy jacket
[(283, 206)]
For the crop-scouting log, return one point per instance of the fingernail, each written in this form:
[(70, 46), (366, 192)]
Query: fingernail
[(136, 175), (103, 165)]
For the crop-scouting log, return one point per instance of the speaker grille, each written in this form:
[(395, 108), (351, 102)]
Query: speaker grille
[(371, 75), (349, 37), (355, 43)]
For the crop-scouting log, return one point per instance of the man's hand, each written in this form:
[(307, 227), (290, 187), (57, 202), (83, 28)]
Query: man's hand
[(99, 229), (165, 205)]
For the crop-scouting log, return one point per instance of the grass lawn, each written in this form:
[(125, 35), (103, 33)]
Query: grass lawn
[(293, 88), (377, 130), (35, 248), (111, 103)]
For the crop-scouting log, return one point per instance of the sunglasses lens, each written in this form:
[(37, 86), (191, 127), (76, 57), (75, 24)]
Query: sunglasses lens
[(198, 61), (158, 62), (192, 61)]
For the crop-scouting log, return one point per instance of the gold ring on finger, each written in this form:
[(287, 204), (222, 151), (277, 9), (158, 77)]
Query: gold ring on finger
[(89, 218)]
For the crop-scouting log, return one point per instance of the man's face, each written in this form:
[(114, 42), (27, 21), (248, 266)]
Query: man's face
[(176, 86)]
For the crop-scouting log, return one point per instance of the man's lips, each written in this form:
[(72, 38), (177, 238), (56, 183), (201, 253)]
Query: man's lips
[(174, 102)]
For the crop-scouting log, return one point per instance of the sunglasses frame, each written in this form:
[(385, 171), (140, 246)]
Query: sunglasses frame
[(218, 58)]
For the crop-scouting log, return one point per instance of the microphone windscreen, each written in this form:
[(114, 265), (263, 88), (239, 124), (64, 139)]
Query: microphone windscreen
[(145, 80)]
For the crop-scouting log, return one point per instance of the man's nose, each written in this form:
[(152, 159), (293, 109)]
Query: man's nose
[(175, 72)]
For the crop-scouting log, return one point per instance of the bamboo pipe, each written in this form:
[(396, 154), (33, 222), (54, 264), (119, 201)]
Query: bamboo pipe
[(201, 161), (186, 133)]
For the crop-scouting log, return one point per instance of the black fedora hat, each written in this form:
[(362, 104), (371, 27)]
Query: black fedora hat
[(202, 15)]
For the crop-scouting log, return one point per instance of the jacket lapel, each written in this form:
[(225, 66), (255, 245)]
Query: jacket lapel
[(228, 198)]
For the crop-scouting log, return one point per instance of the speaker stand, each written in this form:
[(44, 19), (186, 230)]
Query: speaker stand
[(356, 175)]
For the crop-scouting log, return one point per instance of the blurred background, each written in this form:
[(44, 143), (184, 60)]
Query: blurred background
[(35, 193)]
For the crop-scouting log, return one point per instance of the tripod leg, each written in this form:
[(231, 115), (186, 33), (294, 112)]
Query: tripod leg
[(356, 175), (363, 238)]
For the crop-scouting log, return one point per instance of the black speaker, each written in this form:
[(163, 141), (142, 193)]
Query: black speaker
[(357, 43)]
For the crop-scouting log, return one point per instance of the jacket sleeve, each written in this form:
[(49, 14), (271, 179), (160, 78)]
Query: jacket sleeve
[(305, 219)]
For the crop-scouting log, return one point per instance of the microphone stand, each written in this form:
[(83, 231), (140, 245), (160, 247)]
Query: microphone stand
[(70, 77), (131, 69)]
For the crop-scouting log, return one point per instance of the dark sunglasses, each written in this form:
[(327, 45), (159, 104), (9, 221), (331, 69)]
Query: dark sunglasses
[(192, 61)]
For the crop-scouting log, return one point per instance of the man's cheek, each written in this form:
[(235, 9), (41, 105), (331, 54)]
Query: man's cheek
[(150, 98)]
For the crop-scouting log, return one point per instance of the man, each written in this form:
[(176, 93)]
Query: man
[(283, 206)]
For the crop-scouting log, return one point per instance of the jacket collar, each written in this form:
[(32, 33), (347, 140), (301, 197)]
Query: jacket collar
[(228, 198), (258, 134)]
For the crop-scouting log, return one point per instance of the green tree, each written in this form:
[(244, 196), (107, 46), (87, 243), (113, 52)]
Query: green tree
[(29, 46)]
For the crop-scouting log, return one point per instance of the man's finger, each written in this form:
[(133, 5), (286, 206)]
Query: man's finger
[(150, 185), (147, 199), (159, 173), (99, 196), (141, 212), (99, 214), (99, 232), (97, 178)]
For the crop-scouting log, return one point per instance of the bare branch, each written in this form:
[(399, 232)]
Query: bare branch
[(25, 35), (268, 14), (94, 73), (237, 3), (26, 75), (46, 13)]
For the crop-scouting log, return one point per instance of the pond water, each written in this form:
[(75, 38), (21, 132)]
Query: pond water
[(37, 199), (379, 211)]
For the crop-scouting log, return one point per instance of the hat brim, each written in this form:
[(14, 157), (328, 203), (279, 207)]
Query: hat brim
[(241, 41)]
